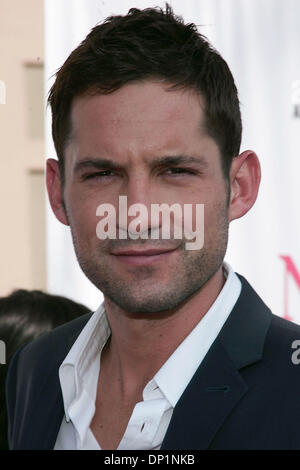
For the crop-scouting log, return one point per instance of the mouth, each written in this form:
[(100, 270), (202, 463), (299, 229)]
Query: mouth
[(143, 257)]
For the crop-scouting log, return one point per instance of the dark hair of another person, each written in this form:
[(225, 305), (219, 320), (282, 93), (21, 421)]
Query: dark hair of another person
[(24, 316), (147, 45)]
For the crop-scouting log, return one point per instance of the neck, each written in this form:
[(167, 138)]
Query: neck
[(141, 343)]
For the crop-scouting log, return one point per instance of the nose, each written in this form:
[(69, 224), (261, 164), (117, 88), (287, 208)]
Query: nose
[(135, 201), (139, 189)]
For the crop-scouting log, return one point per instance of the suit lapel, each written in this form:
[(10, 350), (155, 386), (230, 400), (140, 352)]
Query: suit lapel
[(217, 386), (211, 395), (46, 418), (53, 412)]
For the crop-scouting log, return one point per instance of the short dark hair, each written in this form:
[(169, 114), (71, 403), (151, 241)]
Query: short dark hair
[(149, 44), (26, 314)]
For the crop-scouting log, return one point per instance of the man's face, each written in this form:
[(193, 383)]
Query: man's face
[(135, 129)]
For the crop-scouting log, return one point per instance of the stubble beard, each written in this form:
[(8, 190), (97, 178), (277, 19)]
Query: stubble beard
[(142, 291)]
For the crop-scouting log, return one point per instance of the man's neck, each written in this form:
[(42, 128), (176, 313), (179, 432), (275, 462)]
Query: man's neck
[(141, 343)]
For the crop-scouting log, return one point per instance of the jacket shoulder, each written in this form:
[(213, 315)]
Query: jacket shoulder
[(31, 368), (284, 326), (34, 360), (282, 340)]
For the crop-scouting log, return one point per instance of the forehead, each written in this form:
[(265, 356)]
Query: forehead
[(138, 116)]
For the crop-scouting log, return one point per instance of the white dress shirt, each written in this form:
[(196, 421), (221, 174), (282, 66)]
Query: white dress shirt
[(150, 418)]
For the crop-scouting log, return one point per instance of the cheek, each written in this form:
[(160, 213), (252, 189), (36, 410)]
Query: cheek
[(216, 221), (83, 219)]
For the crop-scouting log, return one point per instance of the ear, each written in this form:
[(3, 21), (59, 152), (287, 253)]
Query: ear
[(55, 190), (244, 183)]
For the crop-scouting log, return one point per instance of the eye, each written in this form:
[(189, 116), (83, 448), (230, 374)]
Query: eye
[(99, 174), (179, 171)]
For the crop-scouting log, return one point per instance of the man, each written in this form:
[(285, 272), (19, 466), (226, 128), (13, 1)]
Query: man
[(183, 354)]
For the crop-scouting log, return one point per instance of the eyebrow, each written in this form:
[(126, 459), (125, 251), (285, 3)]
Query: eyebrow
[(108, 164)]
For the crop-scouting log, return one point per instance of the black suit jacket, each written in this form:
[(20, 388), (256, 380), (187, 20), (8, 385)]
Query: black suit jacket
[(244, 395)]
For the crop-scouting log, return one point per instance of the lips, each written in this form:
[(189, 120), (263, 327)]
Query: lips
[(142, 252), (143, 256)]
